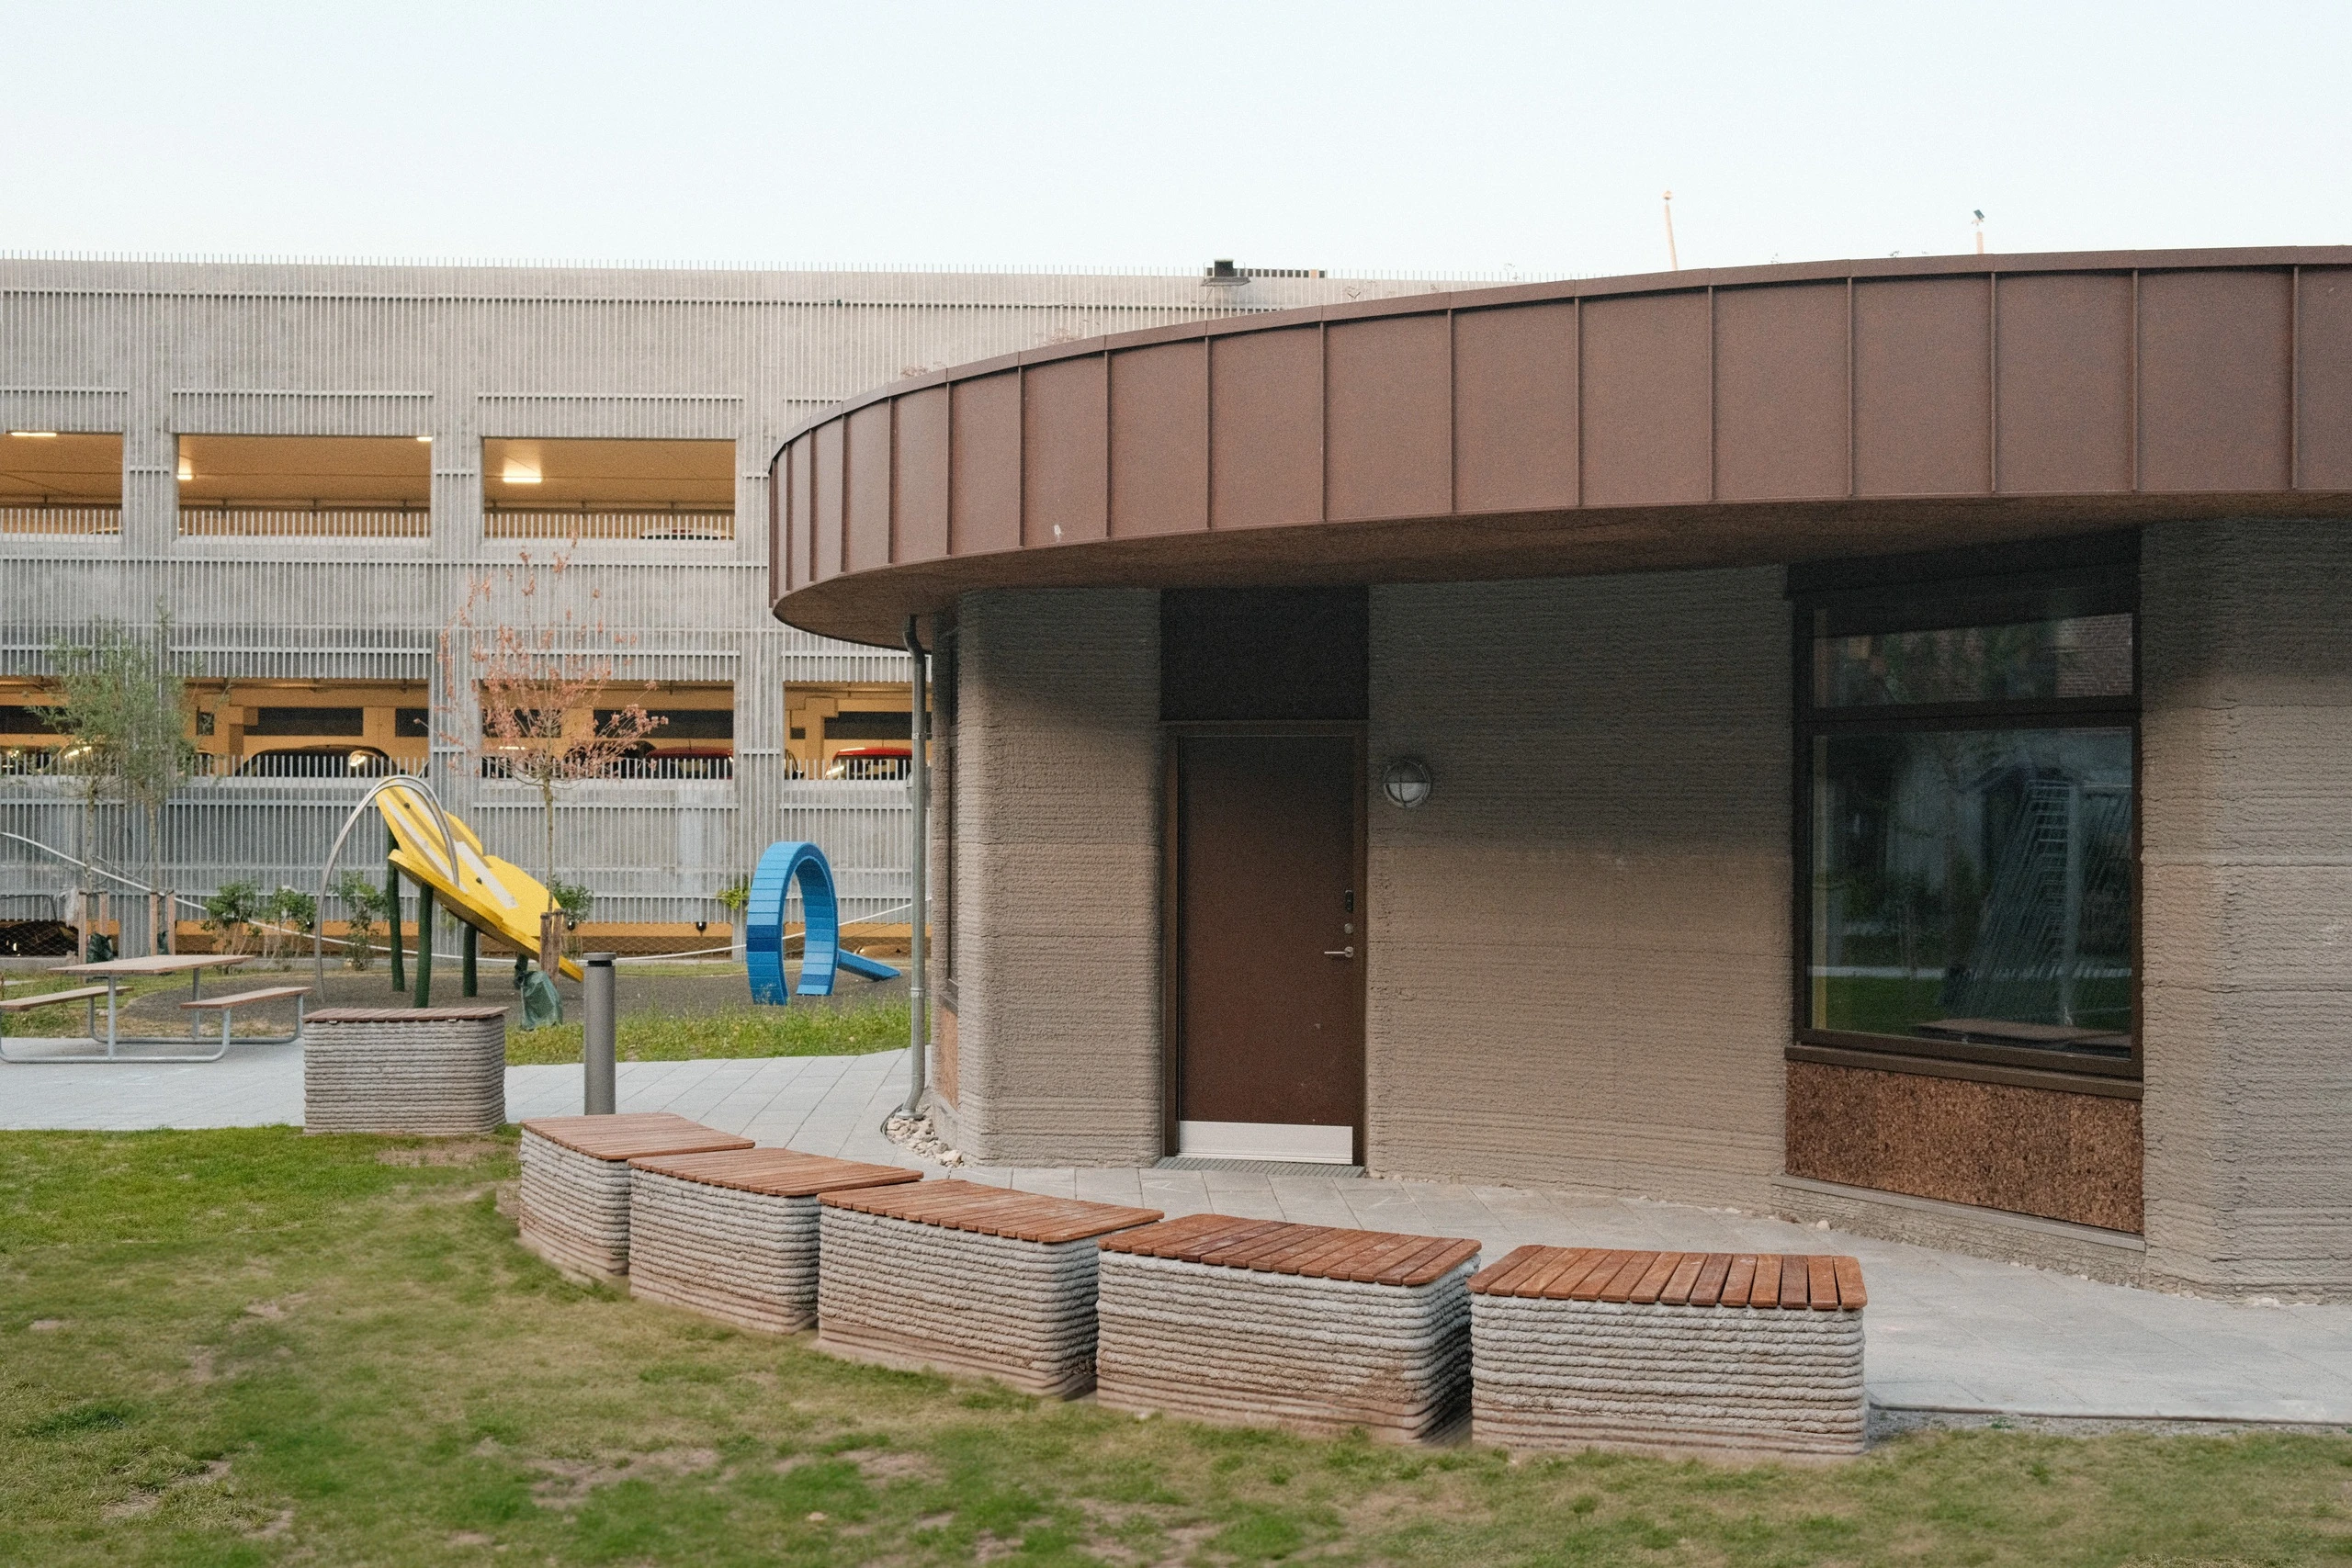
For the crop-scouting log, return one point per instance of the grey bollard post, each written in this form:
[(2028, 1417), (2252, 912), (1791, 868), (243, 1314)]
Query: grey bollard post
[(598, 1034)]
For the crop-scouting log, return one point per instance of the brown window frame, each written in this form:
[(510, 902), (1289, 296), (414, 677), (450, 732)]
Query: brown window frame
[(2093, 576)]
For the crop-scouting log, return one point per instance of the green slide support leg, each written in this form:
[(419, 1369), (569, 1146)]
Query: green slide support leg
[(469, 952), (392, 897), (424, 944)]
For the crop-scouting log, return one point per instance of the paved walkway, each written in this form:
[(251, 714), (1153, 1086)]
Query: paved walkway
[(1948, 1333)]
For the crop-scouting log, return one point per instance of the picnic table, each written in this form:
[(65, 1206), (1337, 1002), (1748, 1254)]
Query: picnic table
[(113, 972)]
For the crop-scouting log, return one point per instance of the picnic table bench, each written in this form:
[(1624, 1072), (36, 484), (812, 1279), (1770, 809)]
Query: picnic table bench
[(1573, 1347), (111, 973), (1263, 1322), (227, 1006)]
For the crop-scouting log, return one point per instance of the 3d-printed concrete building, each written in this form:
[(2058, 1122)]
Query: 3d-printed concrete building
[(1867, 740)]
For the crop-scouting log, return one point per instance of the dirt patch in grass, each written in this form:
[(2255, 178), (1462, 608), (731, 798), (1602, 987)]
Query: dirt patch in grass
[(310, 1353)]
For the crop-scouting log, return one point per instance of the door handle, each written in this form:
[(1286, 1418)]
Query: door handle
[(1348, 951)]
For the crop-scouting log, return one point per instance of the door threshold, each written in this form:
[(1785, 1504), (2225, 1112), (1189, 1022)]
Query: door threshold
[(1262, 1166)]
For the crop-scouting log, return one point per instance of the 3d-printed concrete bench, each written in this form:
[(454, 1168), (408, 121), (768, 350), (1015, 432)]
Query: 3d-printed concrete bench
[(1575, 1346), (430, 1070), (733, 1234), (575, 1190), (1265, 1323), (959, 1277)]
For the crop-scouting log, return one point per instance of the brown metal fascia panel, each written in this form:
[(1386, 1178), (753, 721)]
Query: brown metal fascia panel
[(1515, 408), (1159, 439), (2214, 385), (826, 512), (1923, 387), (1388, 419), (1644, 400), (1065, 452), (2323, 380), (984, 514), (868, 475), (920, 527), (2275, 257), (1266, 429), (2063, 384), (1779, 392)]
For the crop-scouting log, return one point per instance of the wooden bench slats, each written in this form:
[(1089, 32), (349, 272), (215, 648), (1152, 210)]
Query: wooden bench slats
[(774, 1173), (632, 1136), (1686, 1275), (241, 998), (25, 1004), (1848, 1272), (1820, 1282), (1319, 1252), (992, 1211), (1652, 1283)]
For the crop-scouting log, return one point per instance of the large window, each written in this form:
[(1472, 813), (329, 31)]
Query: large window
[(1967, 755), (347, 487), (574, 489)]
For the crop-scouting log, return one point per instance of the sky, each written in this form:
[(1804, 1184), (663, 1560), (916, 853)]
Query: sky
[(1466, 139)]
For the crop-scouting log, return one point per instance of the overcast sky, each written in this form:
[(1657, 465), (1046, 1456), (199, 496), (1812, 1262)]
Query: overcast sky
[(1428, 137)]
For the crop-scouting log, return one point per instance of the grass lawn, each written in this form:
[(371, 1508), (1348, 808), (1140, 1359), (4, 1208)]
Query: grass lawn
[(251, 1347), (802, 1030)]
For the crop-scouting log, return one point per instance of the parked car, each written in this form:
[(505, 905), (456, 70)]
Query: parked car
[(871, 762), (318, 762)]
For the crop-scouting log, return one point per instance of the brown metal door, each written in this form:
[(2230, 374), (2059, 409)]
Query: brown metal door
[(1269, 944)]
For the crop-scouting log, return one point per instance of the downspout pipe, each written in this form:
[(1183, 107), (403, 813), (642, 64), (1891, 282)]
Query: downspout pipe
[(919, 785)]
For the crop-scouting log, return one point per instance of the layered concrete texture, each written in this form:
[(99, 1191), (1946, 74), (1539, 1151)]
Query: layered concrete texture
[(2246, 879), (430, 1070), (1578, 965), (2030, 1151), (1055, 831)]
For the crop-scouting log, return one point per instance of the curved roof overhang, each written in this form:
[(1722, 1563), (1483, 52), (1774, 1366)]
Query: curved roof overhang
[(1737, 417)]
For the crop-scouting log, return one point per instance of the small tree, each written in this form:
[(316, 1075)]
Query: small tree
[(538, 667), (231, 911), (290, 913), (123, 709), (363, 901)]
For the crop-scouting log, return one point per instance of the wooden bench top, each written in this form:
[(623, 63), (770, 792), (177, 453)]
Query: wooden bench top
[(1319, 1252), (775, 1173), (79, 993), (992, 1211), (634, 1135), (406, 1015), (1820, 1282), (243, 999)]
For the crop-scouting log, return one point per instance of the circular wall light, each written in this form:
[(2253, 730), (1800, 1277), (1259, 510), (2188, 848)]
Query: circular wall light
[(1405, 782)]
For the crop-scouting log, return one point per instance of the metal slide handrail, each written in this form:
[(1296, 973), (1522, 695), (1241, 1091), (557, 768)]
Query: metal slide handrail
[(448, 863)]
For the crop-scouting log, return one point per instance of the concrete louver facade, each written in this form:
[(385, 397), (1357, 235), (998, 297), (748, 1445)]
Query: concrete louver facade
[(151, 352)]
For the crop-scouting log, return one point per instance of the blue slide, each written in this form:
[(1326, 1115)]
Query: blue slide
[(822, 956)]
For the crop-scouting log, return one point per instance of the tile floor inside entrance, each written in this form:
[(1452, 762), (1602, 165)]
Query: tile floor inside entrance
[(1947, 1332)]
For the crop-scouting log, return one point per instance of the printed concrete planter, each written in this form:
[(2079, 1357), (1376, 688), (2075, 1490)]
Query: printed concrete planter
[(428, 1070), (733, 1234), (1573, 1347), (961, 1278), (575, 1191), (1263, 1322)]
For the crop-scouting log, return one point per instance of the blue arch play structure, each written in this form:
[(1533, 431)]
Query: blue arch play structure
[(822, 956)]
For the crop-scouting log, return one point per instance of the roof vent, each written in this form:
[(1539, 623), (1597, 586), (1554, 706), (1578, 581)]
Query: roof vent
[(1225, 275)]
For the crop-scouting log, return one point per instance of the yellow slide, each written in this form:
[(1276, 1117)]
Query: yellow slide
[(489, 894)]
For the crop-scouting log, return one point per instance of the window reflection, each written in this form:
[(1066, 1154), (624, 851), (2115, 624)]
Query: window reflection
[(2078, 656), (1974, 885)]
